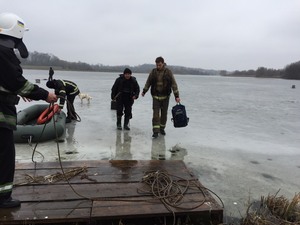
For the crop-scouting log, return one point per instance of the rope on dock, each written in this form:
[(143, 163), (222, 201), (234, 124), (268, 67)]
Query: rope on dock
[(53, 178), (170, 192)]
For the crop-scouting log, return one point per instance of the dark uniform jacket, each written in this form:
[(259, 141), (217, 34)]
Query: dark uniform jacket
[(12, 83), (122, 85), (65, 88)]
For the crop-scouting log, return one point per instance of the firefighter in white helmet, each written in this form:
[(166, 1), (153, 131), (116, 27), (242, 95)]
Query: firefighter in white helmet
[(12, 85)]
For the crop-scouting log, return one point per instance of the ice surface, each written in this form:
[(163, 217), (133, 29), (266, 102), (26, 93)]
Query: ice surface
[(242, 139)]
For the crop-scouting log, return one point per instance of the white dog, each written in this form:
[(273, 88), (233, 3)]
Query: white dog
[(84, 96)]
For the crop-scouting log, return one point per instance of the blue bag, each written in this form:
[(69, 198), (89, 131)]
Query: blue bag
[(180, 118)]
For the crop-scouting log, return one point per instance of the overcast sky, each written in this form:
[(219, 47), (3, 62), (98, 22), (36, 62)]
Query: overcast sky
[(208, 34)]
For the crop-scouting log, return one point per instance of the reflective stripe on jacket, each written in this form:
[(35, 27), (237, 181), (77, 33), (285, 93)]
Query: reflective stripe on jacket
[(64, 88), (6, 188)]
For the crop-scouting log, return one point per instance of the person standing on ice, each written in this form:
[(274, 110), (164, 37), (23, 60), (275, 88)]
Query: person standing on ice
[(12, 84), (51, 72), (162, 83), (125, 90)]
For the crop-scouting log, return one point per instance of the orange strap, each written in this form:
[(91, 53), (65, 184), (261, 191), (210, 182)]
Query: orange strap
[(48, 114)]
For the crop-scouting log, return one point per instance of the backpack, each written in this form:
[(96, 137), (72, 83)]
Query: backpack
[(180, 118)]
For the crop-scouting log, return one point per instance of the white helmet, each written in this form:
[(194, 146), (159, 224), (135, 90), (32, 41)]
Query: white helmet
[(12, 25)]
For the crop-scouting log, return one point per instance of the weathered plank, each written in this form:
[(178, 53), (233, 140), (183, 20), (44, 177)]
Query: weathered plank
[(106, 190)]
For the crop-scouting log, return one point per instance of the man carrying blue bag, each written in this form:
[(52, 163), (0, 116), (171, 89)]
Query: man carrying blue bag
[(162, 83)]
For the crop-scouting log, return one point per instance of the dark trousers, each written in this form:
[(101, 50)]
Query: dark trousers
[(124, 106), (70, 107), (7, 162), (160, 111)]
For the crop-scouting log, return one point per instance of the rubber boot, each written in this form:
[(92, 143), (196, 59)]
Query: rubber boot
[(119, 126), (126, 122)]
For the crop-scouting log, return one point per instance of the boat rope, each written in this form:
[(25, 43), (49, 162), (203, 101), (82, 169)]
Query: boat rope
[(34, 149), (71, 109), (52, 178), (38, 140), (30, 139), (162, 186), (171, 190)]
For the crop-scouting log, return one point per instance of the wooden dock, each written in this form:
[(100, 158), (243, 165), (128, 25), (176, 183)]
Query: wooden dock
[(99, 192)]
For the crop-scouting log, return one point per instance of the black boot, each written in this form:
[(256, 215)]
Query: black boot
[(10, 203), (126, 122), (162, 131), (119, 126)]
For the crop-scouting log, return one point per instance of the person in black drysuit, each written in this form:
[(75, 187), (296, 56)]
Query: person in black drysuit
[(12, 84), (65, 88), (125, 90)]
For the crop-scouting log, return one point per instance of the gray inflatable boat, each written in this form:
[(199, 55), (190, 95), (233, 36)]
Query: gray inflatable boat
[(29, 131)]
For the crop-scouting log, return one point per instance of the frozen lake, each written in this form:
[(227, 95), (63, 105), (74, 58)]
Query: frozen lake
[(242, 139)]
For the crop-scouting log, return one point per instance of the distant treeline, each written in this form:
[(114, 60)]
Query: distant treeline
[(37, 60), (291, 71)]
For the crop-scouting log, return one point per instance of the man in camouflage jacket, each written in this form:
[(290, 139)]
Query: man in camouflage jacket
[(162, 83)]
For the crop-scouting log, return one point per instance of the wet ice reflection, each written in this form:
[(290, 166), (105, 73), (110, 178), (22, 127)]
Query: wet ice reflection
[(123, 144)]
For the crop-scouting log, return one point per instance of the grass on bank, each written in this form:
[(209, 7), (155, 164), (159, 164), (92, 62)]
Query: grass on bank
[(273, 210)]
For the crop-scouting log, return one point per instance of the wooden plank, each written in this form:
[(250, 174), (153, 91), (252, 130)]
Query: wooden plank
[(123, 209), (112, 171), (109, 166), (47, 212), (50, 216), (85, 178), (80, 210), (65, 192), (113, 191)]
